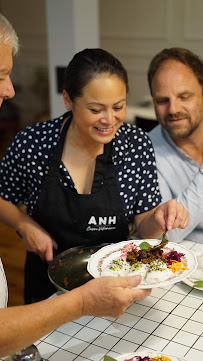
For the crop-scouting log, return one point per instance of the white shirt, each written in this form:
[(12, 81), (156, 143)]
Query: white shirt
[(3, 287)]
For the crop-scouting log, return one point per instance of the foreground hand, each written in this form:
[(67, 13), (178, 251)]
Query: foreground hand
[(38, 241), (171, 215), (110, 296)]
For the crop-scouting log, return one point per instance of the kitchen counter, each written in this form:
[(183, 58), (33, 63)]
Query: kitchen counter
[(170, 321)]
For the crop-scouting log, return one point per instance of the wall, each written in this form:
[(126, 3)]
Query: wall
[(135, 30), (77, 27), (29, 20)]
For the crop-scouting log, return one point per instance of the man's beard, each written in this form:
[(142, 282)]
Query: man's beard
[(181, 131)]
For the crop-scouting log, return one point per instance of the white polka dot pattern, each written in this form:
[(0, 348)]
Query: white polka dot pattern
[(26, 163)]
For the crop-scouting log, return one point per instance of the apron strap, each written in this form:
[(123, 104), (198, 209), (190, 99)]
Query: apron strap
[(58, 150), (104, 168)]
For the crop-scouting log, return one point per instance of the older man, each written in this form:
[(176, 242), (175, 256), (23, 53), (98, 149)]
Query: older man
[(175, 78), (107, 296)]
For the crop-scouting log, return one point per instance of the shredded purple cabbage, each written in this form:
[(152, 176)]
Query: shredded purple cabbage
[(173, 256), (139, 358)]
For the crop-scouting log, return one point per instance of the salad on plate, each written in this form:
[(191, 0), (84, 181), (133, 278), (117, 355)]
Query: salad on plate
[(157, 262), (144, 356)]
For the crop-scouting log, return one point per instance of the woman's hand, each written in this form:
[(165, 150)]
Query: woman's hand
[(170, 215), (37, 240)]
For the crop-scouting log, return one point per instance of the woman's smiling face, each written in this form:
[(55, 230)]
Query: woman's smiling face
[(100, 111)]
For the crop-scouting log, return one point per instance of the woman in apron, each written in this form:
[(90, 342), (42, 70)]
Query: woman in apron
[(22, 325), (99, 176)]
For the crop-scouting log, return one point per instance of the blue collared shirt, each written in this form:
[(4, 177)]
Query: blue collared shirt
[(180, 179)]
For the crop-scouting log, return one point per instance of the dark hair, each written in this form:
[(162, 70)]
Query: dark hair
[(87, 65), (179, 54)]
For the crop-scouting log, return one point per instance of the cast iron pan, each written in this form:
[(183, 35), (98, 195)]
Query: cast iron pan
[(68, 269)]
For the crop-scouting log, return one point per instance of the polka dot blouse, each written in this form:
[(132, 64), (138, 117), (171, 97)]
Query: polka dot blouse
[(27, 160)]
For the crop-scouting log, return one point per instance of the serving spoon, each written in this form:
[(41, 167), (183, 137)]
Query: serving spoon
[(164, 241), (164, 237)]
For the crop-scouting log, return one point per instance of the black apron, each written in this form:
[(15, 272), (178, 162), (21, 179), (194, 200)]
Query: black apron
[(74, 219)]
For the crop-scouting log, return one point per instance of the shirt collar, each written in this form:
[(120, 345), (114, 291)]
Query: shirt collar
[(173, 144)]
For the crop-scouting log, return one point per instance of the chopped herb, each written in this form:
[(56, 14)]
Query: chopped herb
[(116, 265), (136, 266), (157, 265), (109, 358)]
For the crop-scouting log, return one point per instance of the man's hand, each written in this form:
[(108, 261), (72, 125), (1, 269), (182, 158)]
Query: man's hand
[(171, 215)]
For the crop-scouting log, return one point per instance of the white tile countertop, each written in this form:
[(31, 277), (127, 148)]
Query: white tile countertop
[(169, 321)]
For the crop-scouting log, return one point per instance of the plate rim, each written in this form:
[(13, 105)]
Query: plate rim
[(153, 354), (153, 241), (187, 280)]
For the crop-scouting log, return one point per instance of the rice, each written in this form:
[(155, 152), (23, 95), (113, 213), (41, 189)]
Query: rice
[(138, 268), (117, 267), (158, 272), (153, 272)]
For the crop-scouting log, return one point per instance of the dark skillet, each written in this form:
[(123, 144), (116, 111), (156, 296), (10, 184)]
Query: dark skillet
[(68, 269)]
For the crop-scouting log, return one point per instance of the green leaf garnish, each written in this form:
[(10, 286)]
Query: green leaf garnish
[(144, 245), (109, 358), (198, 284)]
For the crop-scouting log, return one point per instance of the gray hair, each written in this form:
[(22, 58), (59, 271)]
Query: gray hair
[(8, 34)]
